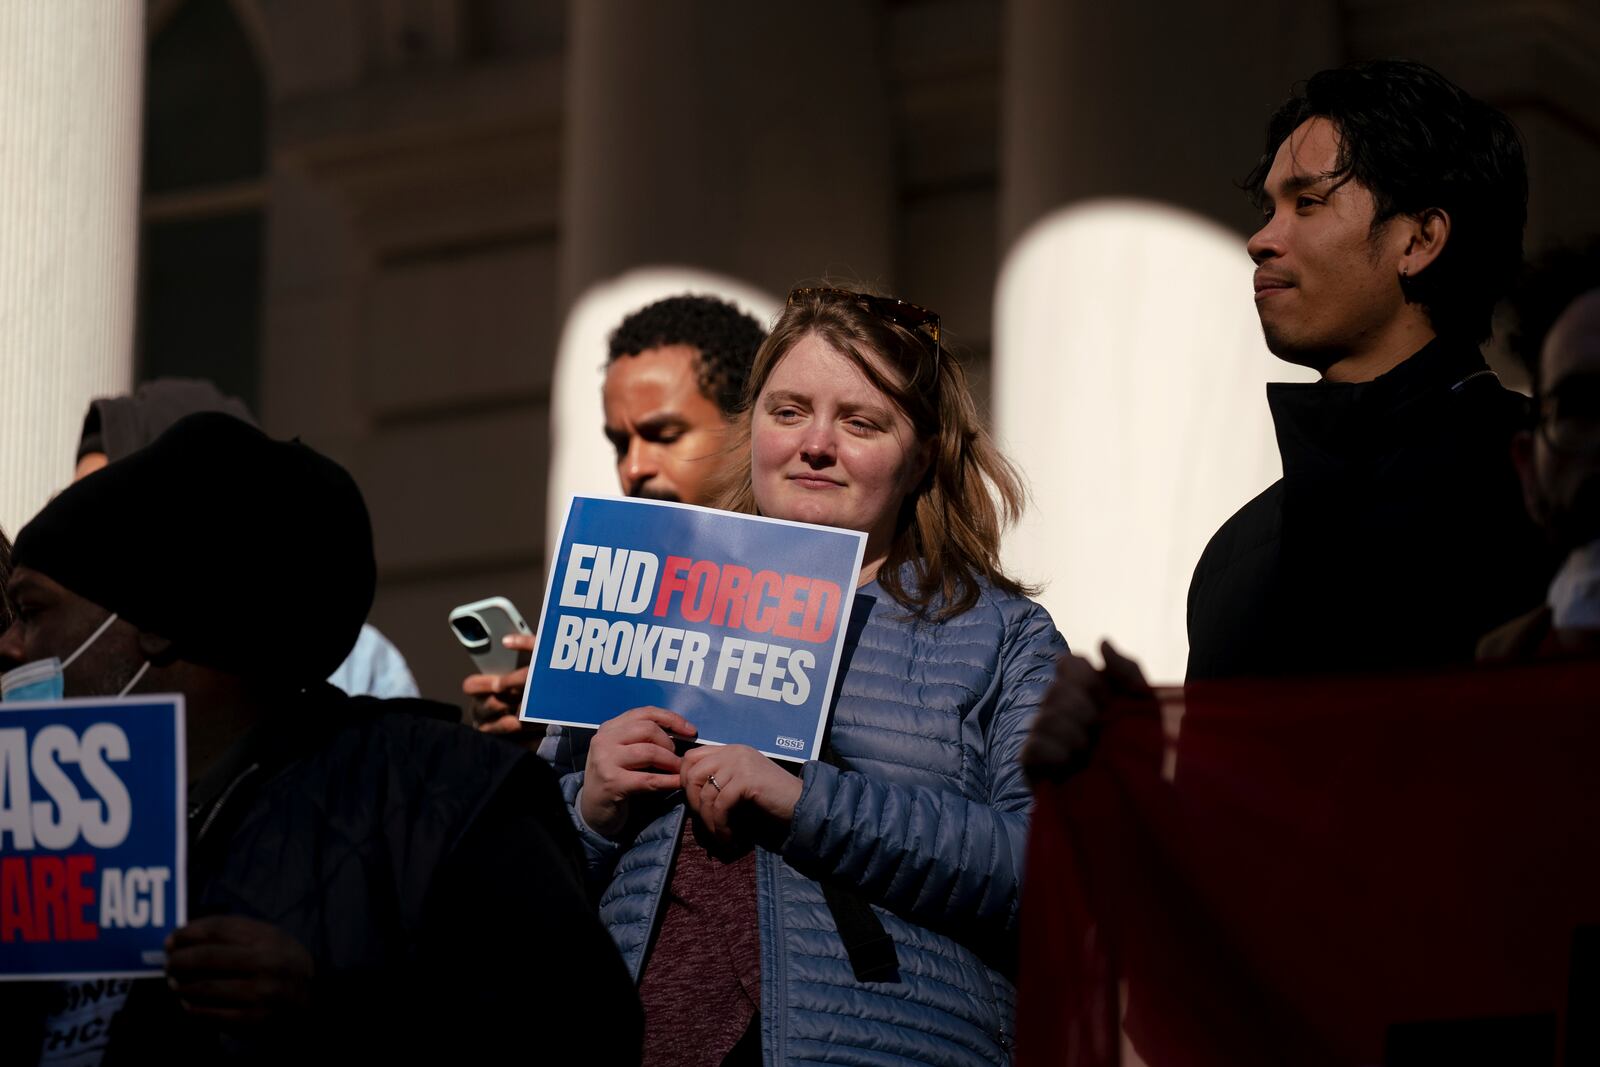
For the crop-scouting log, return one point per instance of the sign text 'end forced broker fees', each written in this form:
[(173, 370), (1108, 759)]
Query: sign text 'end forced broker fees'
[(736, 622)]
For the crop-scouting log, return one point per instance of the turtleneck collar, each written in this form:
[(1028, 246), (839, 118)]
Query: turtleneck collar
[(1323, 424)]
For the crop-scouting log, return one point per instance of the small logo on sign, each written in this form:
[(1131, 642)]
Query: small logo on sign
[(798, 744)]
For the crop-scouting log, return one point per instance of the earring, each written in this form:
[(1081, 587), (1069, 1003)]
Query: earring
[(1403, 271)]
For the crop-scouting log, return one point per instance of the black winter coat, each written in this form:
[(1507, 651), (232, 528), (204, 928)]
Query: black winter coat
[(1396, 537), (435, 878)]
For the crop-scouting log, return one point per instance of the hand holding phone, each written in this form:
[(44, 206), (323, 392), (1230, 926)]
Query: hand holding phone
[(497, 697), (482, 627), (498, 639)]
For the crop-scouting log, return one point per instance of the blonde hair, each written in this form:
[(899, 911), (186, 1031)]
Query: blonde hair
[(949, 526)]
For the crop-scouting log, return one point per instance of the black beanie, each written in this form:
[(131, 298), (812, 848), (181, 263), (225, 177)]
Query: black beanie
[(251, 555)]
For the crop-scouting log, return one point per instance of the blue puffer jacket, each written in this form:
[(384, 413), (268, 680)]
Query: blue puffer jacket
[(929, 822)]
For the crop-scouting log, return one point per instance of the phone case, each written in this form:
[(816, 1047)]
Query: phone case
[(481, 625)]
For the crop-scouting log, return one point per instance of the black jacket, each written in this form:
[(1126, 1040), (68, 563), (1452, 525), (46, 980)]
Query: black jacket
[(1395, 539), (435, 878)]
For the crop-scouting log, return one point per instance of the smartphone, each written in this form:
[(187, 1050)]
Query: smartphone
[(479, 626)]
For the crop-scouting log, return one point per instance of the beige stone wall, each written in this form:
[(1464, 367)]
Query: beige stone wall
[(429, 225), (411, 299)]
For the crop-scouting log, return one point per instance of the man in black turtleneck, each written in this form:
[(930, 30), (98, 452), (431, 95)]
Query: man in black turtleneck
[(1393, 209)]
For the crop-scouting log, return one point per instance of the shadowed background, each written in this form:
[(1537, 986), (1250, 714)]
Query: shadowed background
[(387, 223)]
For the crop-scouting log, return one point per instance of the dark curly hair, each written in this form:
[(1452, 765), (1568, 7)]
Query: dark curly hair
[(725, 337), (1416, 141), (1547, 288)]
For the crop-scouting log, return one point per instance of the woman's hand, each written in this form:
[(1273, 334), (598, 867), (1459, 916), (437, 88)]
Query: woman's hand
[(496, 697), (631, 754), (743, 777)]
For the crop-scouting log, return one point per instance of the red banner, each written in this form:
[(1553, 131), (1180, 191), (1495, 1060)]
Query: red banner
[(1341, 872)]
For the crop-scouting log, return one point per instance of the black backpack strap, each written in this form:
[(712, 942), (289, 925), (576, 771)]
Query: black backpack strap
[(871, 949)]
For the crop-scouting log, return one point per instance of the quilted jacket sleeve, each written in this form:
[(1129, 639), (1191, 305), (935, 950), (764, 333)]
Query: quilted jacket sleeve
[(600, 854), (941, 858)]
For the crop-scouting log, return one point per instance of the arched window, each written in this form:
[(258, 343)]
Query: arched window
[(203, 230)]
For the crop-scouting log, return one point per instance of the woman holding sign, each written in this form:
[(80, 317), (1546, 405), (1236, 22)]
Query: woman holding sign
[(870, 902)]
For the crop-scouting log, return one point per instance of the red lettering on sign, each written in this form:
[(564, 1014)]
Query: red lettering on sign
[(16, 910), (791, 605), (701, 592), (762, 616), (822, 611), (43, 898), (50, 897), (785, 605), (671, 581), (729, 608), (79, 897)]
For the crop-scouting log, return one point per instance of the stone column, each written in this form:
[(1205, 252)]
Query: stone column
[(706, 140), (71, 93), (1128, 361), (1113, 100), (748, 139)]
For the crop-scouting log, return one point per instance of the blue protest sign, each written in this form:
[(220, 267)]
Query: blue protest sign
[(91, 836), (735, 622)]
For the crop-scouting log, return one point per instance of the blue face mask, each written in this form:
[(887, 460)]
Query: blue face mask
[(45, 679)]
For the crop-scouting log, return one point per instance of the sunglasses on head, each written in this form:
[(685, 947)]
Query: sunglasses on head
[(902, 313)]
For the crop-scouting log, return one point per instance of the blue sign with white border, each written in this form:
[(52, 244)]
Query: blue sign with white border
[(735, 622), (92, 837)]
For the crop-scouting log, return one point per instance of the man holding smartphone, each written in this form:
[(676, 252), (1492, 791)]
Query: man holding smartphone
[(675, 377)]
